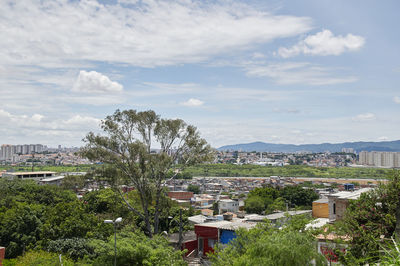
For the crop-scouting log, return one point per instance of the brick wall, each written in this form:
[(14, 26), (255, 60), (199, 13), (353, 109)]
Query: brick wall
[(2, 255), (180, 195)]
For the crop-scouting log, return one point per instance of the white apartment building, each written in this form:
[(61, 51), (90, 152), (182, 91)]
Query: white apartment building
[(9, 152), (380, 159)]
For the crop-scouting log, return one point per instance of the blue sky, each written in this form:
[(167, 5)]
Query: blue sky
[(296, 72)]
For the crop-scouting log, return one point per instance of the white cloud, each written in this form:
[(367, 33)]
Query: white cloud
[(297, 73), (148, 33), (192, 102), (94, 82), (47, 130), (396, 99), (383, 138), (364, 117), (324, 43)]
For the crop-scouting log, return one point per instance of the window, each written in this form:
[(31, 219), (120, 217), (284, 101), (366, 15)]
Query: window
[(334, 208), (211, 243)]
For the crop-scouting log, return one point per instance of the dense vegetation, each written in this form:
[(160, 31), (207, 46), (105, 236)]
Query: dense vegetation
[(232, 170), (267, 245), (269, 199), (370, 222), (52, 219)]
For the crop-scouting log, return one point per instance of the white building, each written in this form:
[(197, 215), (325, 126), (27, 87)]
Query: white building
[(380, 159), (228, 205)]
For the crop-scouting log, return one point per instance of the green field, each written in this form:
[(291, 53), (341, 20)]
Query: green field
[(231, 170)]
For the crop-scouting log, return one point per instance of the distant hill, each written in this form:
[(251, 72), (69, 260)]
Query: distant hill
[(331, 147)]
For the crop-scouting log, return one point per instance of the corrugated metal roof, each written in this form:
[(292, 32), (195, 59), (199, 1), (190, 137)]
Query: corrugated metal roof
[(226, 225), (350, 194)]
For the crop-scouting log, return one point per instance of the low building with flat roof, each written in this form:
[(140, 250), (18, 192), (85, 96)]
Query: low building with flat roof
[(29, 175), (339, 201), (56, 180)]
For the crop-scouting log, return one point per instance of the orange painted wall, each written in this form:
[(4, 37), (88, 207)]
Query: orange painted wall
[(320, 210)]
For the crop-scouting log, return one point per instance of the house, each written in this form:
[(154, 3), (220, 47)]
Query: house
[(55, 180), (180, 195), (208, 234), (339, 201), (189, 241), (29, 175), (228, 205)]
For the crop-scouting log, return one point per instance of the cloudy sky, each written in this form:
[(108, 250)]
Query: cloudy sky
[(307, 71)]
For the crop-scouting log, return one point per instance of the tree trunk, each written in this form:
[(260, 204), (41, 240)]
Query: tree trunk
[(157, 212), (397, 229)]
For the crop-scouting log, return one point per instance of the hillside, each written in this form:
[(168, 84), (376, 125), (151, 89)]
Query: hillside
[(331, 147)]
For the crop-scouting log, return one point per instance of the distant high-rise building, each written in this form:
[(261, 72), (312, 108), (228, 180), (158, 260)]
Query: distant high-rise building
[(10, 152), (348, 150), (379, 159)]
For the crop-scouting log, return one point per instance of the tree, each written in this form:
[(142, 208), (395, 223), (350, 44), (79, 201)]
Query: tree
[(42, 258), (369, 219), (266, 245), (125, 148), (194, 188), (298, 196), (136, 249)]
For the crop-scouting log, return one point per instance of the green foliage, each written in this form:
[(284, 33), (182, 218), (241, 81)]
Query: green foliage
[(32, 215), (265, 245), (125, 148), (42, 258), (298, 196), (194, 188), (75, 248), (68, 220), (268, 199), (20, 227), (249, 170), (254, 204), (369, 218), (136, 249)]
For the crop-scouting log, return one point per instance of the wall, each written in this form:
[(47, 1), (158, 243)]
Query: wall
[(341, 206), (2, 255), (190, 246), (206, 233), (180, 195), (320, 210), (226, 236)]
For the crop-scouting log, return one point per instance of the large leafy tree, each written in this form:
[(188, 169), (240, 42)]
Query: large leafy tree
[(266, 245), (370, 221), (135, 249), (126, 149)]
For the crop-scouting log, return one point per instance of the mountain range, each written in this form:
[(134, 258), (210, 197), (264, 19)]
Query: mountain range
[(393, 146)]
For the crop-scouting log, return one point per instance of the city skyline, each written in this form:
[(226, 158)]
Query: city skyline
[(241, 71)]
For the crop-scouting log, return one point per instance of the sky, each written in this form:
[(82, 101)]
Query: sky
[(297, 72)]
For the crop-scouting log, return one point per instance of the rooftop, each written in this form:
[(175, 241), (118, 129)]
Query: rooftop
[(226, 225), (50, 179), (350, 194), (30, 173), (280, 215), (322, 201)]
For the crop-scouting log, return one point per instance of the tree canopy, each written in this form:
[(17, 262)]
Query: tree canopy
[(266, 245), (126, 148)]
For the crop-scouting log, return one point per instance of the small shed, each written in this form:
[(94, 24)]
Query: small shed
[(320, 208)]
